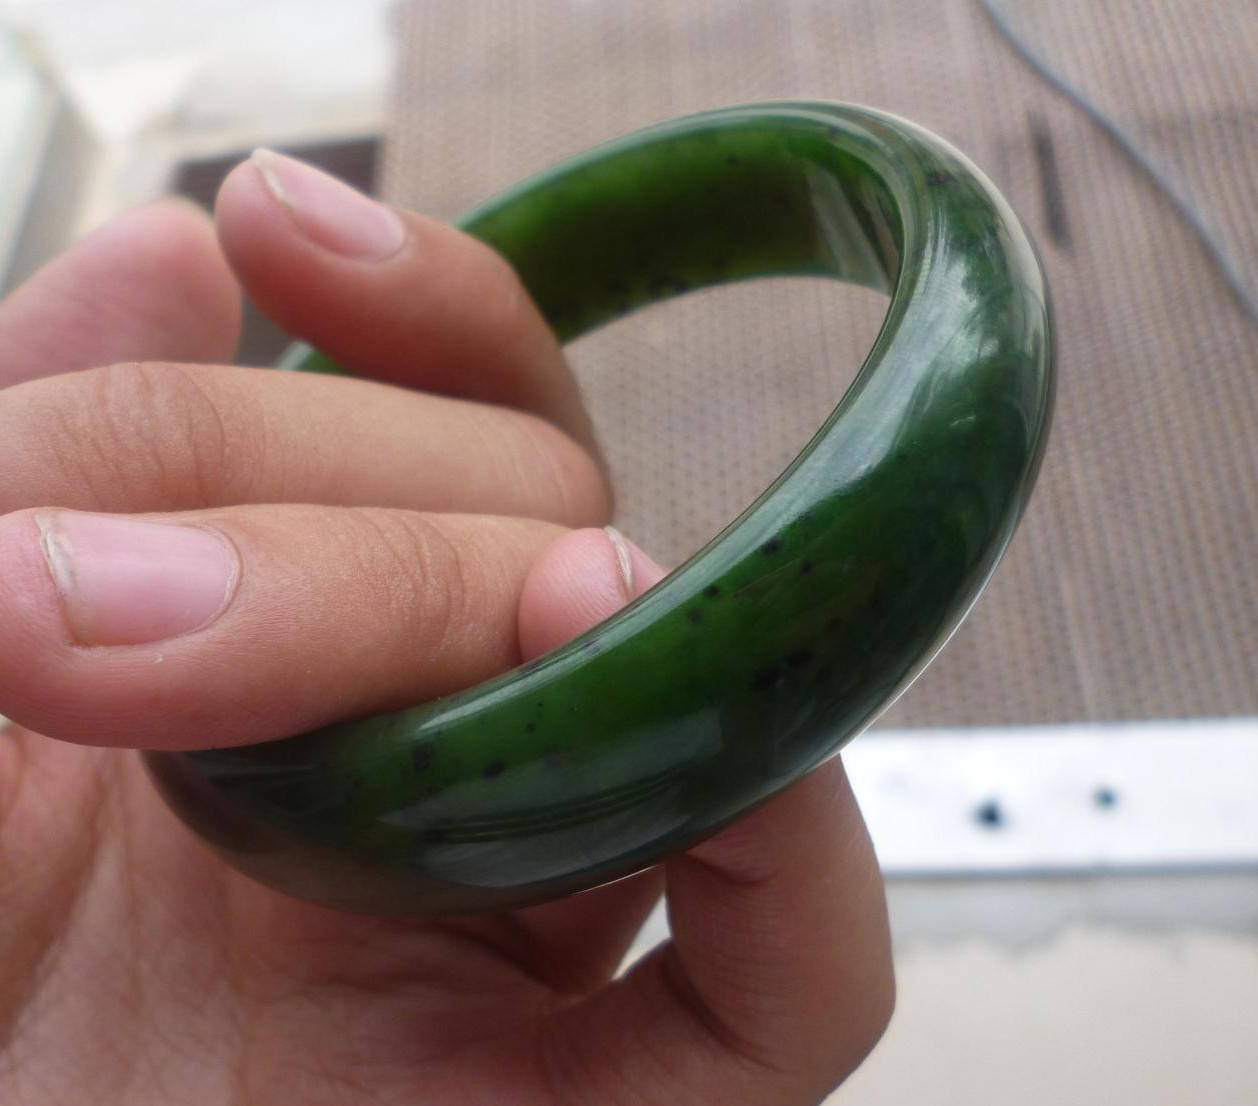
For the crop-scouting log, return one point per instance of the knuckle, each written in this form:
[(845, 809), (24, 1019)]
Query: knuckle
[(164, 432), (569, 486), (419, 572), (137, 436), (879, 1011), (509, 308), (868, 1016)]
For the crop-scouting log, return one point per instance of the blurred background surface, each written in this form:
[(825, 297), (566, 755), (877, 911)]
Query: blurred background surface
[(1065, 802)]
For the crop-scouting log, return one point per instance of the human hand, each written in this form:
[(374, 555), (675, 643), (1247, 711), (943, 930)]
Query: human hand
[(318, 515)]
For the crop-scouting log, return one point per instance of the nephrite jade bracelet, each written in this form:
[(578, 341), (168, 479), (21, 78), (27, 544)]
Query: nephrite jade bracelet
[(786, 635)]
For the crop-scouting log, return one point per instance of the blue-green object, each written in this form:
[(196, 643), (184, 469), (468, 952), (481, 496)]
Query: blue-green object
[(786, 635)]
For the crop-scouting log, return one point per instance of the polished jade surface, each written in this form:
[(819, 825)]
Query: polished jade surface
[(787, 634)]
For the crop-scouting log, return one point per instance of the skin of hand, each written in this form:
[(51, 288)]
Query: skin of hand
[(452, 497)]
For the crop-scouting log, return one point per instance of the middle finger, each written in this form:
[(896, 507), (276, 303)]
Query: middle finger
[(162, 437)]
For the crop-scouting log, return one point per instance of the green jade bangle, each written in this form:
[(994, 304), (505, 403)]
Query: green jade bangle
[(759, 657)]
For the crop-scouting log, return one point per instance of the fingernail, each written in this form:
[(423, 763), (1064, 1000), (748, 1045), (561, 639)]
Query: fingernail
[(637, 571), (123, 581), (328, 211), (623, 560)]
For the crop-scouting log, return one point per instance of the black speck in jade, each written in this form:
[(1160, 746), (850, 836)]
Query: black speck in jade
[(819, 604), (694, 616), (766, 680)]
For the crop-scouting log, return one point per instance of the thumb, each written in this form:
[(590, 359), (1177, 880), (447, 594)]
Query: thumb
[(581, 579)]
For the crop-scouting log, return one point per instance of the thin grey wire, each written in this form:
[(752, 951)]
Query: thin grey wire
[(1182, 202)]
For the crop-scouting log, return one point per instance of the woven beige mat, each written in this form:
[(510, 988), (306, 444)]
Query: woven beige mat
[(1130, 590)]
